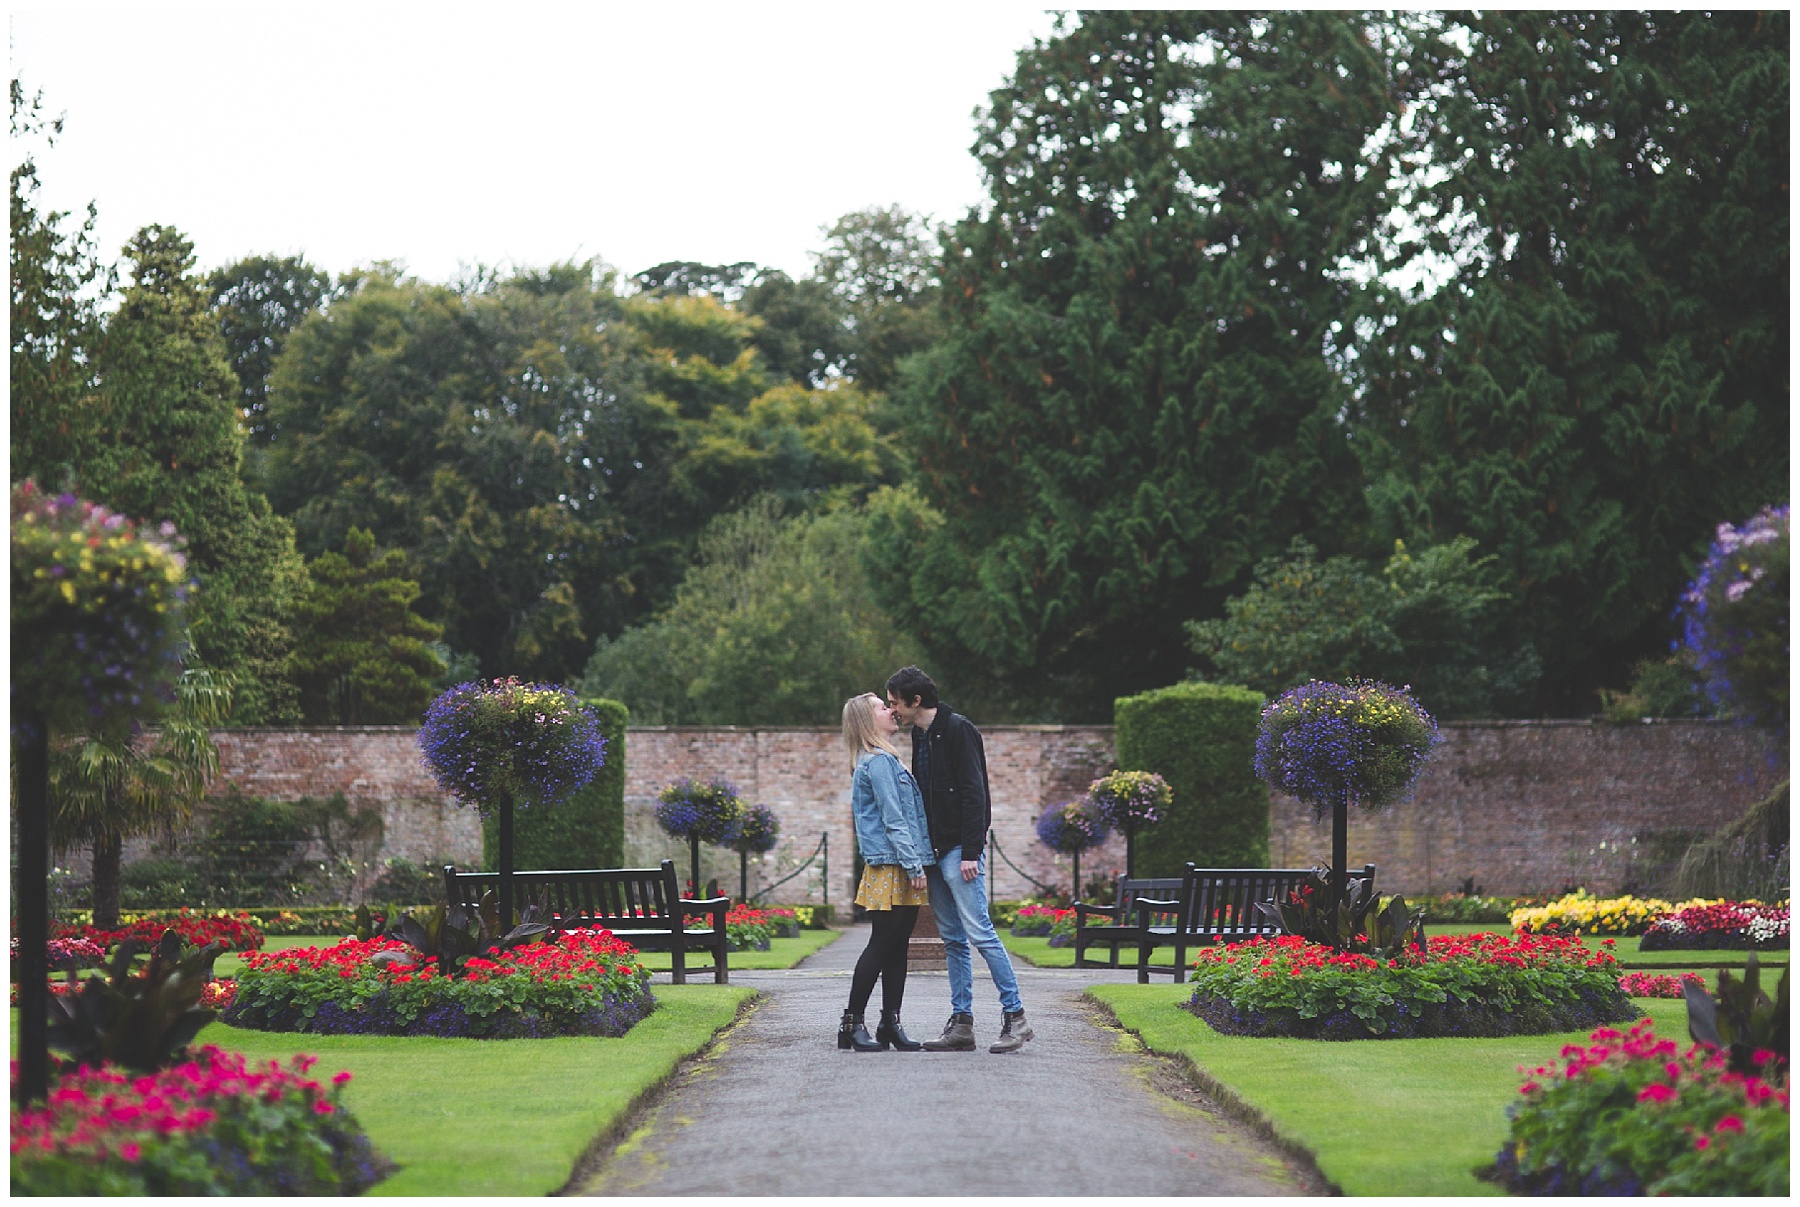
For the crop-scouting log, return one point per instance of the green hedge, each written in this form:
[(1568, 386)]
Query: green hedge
[(585, 831), (1201, 737)]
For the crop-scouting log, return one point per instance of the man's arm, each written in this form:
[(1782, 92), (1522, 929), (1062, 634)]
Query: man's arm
[(972, 789)]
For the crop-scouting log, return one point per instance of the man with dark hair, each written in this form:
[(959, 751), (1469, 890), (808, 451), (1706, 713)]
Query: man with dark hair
[(951, 769)]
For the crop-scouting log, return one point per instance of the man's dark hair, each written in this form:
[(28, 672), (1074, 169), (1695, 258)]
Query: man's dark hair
[(910, 681)]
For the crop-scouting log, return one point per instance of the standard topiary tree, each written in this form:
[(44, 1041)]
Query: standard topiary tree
[(1333, 745), (753, 832), (501, 743), (588, 829), (1735, 620), (1201, 738), (1071, 828), (98, 630), (699, 812)]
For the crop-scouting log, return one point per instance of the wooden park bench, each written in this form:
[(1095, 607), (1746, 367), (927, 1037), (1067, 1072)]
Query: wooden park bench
[(1201, 907), (642, 906)]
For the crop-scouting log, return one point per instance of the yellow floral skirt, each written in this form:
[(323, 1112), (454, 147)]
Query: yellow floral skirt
[(887, 885)]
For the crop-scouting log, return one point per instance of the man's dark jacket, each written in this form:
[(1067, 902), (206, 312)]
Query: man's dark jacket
[(955, 782)]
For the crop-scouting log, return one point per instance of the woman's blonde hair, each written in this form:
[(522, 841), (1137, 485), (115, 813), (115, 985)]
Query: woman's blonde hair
[(861, 734)]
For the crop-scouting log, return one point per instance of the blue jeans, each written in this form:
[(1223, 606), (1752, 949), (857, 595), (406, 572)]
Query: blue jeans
[(962, 919)]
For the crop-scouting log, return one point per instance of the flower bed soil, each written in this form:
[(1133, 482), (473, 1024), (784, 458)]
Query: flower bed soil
[(1482, 985), (590, 983)]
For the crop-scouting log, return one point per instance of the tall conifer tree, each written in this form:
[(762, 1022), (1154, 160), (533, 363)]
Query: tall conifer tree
[(1605, 379), (167, 445), (1131, 405)]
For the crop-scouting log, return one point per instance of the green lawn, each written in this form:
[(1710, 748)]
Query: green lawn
[(782, 953), (1387, 1117), (496, 1117), (1037, 951), (499, 1117)]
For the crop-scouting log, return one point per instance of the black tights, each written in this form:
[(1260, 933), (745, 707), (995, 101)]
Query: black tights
[(884, 957)]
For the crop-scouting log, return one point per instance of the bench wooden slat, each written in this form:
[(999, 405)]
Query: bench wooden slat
[(642, 905), (1201, 906)]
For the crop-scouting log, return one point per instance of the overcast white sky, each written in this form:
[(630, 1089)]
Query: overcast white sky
[(445, 134)]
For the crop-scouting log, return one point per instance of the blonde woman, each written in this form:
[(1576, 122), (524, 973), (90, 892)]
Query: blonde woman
[(891, 834)]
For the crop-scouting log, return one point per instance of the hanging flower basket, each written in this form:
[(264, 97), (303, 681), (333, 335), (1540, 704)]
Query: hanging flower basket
[(97, 628), (698, 810), (503, 740), (753, 831), (1363, 741)]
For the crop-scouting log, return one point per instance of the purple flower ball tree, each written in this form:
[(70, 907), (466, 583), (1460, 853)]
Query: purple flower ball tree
[(1735, 620), (1129, 801), (699, 811), (1071, 828), (499, 743), (1332, 745), (98, 635), (752, 832)]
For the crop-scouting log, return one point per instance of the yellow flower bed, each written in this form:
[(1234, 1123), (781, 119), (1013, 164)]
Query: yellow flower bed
[(1582, 913)]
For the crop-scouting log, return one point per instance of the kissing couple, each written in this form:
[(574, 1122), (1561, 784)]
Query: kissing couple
[(921, 827)]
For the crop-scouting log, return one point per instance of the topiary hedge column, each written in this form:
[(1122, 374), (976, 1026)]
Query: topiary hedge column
[(588, 829), (1201, 738)]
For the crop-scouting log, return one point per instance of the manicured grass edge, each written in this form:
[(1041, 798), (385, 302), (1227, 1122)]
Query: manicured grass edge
[(1234, 1107), (592, 1161)]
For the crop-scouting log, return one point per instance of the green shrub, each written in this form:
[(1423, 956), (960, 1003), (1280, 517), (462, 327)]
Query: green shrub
[(1748, 859), (585, 831), (158, 883), (405, 881), (1201, 738)]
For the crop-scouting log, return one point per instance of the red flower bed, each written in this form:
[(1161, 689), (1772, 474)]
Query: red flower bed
[(238, 932), (1727, 925), (1635, 1115), (213, 1125), (1649, 984), (587, 983), (1481, 984)]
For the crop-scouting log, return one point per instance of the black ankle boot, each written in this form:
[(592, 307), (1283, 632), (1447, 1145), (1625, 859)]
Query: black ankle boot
[(859, 1036), (846, 1030), (888, 1030)]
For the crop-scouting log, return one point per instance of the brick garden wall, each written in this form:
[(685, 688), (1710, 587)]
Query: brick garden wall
[(1520, 807)]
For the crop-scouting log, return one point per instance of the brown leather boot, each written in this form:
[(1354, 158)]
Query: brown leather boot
[(958, 1036), (1013, 1034)]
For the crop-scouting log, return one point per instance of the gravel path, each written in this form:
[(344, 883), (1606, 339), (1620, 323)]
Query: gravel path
[(776, 1109)]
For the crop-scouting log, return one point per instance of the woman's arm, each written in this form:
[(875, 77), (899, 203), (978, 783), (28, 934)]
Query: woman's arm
[(884, 778)]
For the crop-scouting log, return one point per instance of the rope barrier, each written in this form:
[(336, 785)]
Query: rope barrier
[(994, 842), (762, 893)]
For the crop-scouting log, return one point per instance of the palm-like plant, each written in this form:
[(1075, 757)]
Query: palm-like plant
[(105, 788)]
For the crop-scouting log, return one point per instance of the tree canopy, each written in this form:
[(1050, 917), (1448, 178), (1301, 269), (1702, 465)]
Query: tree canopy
[(1605, 378), (772, 625), (1129, 406), (155, 434), (362, 656)]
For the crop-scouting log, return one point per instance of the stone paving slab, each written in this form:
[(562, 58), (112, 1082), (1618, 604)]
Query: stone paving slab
[(776, 1109)]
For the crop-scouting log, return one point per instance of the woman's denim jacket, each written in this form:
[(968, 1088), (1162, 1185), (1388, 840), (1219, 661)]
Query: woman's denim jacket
[(890, 814)]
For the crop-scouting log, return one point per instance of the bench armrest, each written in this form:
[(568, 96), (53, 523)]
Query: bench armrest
[(1083, 909), (716, 906), (1143, 907)]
